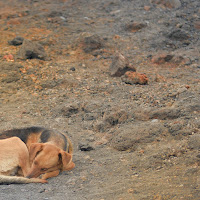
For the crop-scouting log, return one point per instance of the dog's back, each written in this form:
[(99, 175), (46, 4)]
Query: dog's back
[(40, 135)]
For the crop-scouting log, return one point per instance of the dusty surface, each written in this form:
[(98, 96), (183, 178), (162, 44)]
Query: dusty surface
[(131, 141)]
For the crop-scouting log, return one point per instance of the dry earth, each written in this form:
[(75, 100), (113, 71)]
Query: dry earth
[(132, 140)]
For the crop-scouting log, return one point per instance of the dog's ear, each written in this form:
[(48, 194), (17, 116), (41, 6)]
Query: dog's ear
[(66, 159), (35, 148)]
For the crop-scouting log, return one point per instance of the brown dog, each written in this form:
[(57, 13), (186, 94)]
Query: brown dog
[(49, 160), (50, 151), (14, 157)]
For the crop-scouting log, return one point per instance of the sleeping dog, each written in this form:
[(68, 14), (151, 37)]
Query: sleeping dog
[(50, 151), (14, 160)]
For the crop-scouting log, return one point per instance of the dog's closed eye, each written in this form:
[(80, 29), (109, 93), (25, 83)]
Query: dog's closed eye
[(44, 169)]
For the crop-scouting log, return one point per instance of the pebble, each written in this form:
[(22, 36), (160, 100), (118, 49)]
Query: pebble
[(31, 50), (135, 78), (85, 147), (92, 43), (154, 120), (16, 41), (135, 26), (120, 65), (73, 69)]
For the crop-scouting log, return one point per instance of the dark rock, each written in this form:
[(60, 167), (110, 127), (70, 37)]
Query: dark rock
[(83, 146), (120, 65), (54, 13), (194, 142), (135, 26), (92, 43), (134, 78), (31, 50), (16, 41), (90, 116), (161, 58), (178, 35), (73, 69), (70, 110)]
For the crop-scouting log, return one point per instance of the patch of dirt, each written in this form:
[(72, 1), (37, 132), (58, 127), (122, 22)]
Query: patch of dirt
[(131, 141)]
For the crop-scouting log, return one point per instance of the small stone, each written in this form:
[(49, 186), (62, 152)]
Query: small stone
[(161, 58), (134, 78), (73, 69), (92, 43), (154, 120), (9, 57), (178, 35), (159, 78), (130, 190), (135, 26), (85, 147), (31, 50), (41, 191), (69, 110), (147, 8), (16, 41), (120, 64)]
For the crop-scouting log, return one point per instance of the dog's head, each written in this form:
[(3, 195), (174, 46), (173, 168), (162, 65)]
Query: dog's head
[(48, 158)]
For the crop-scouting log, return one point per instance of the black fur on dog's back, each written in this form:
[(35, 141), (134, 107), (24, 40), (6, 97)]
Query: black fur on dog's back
[(23, 133), (41, 134)]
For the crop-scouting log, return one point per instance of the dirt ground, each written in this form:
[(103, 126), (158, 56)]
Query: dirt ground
[(131, 141)]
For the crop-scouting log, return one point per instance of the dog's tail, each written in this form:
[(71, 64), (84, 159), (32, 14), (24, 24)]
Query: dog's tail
[(16, 179)]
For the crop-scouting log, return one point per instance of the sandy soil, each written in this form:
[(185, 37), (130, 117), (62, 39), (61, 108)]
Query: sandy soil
[(131, 141)]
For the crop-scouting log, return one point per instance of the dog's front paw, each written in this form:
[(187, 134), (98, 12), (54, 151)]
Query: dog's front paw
[(50, 174)]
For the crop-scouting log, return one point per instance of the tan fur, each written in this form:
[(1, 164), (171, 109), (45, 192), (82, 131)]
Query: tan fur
[(49, 160), (14, 155)]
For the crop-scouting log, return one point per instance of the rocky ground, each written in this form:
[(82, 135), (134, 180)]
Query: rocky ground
[(121, 78)]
